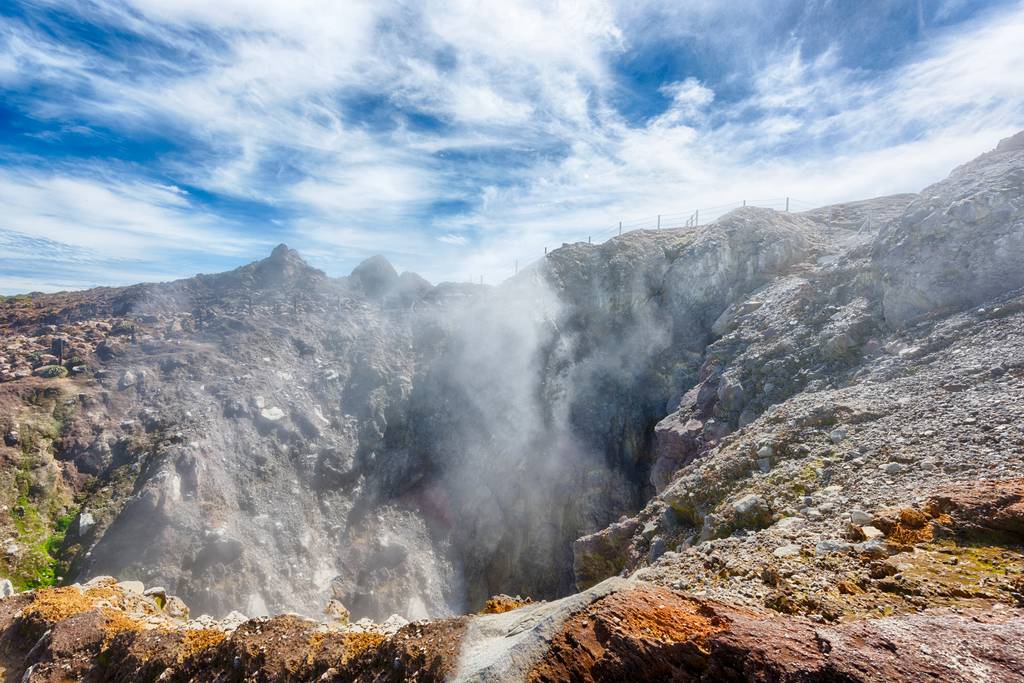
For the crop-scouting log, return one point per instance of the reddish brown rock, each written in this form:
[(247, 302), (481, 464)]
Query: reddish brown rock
[(630, 631), (652, 634), (982, 505)]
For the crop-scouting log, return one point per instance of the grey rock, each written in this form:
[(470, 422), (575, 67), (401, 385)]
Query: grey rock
[(85, 522), (751, 511), (860, 518), (658, 548), (876, 549), (970, 219), (829, 546), (893, 468), (730, 394), (271, 414), (788, 550)]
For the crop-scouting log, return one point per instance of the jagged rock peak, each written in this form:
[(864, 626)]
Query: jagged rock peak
[(376, 276), (1011, 143), (283, 252), (284, 265)]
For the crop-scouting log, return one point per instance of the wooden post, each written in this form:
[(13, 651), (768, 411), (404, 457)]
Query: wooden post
[(787, 204), (744, 202), (588, 239), (620, 227), (659, 221), (545, 251)]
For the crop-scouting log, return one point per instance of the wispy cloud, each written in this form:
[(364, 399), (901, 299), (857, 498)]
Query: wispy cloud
[(453, 139), (450, 238)]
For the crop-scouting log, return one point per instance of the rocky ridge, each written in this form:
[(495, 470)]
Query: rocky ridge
[(799, 436)]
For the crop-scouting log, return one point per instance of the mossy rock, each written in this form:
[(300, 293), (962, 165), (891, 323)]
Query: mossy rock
[(124, 328), (52, 371)]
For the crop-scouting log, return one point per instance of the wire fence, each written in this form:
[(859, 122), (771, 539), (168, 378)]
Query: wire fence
[(691, 219)]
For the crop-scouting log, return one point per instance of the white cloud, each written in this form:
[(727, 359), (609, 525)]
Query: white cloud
[(450, 238), (112, 217), (262, 85)]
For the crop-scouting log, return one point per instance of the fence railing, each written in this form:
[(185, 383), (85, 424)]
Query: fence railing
[(695, 217), (690, 219)]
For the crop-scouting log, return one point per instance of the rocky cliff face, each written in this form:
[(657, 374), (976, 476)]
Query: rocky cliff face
[(959, 243), (767, 412)]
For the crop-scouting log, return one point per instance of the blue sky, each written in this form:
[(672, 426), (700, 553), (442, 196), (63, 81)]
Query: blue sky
[(152, 139)]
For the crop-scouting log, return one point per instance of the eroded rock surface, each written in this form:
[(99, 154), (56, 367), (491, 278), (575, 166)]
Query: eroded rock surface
[(619, 630)]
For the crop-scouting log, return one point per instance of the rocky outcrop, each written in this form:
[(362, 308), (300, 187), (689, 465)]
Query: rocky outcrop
[(809, 404), (653, 634), (617, 631), (960, 242), (602, 554)]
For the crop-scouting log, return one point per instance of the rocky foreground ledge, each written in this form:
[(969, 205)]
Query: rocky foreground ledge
[(619, 630)]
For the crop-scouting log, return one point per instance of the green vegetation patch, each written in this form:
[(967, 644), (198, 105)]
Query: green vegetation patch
[(124, 328), (39, 507), (52, 371)]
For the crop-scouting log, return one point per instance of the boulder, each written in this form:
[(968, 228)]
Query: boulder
[(85, 522), (602, 554), (730, 394), (751, 512), (336, 612), (271, 414), (676, 443)]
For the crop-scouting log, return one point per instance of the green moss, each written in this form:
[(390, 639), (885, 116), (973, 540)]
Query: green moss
[(976, 560), (36, 565), (39, 503), (40, 540), (791, 484), (801, 484), (64, 522), (124, 328), (52, 371), (61, 412)]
